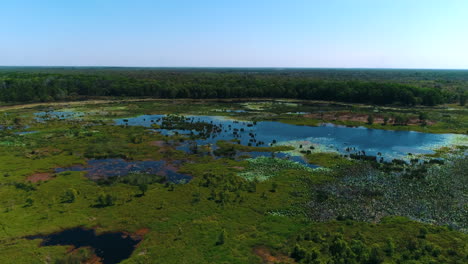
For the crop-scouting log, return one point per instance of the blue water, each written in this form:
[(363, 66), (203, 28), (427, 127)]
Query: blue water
[(25, 133), (327, 137)]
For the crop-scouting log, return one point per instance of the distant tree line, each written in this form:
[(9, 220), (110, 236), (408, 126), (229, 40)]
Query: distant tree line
[(39, 86)]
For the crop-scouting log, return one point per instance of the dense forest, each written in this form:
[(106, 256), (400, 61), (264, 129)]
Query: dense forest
[(356, 86)]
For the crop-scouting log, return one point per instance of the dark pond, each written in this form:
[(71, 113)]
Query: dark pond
[(97, 169), (110, 247), (389, 144)]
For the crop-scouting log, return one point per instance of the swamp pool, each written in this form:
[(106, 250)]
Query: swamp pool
[(110, 247), (387, 144)]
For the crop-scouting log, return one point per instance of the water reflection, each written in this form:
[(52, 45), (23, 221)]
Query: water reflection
[(327, 137)]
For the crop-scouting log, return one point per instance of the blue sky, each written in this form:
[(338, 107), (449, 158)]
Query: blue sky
[(240, 33)]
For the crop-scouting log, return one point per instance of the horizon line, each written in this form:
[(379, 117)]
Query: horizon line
[(229, 67)]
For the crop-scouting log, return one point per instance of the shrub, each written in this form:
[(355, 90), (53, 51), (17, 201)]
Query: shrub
[(143, 188), (298, 253), (389, 247), (24, 186), (104, 200), (370, 119), (221, 238), (69, 196), (29, 202)]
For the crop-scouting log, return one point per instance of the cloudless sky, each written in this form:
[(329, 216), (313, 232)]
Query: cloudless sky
[(235, 33)]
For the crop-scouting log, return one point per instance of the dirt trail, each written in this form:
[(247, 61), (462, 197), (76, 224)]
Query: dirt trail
[(87, 102), (104, 101)]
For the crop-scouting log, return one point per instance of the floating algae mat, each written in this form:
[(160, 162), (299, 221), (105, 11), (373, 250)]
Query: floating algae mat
[(327, 137), (104, 168), (110, 247), (57, 115)]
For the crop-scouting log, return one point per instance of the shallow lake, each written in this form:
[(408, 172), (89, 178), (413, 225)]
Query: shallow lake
[(388, 144)]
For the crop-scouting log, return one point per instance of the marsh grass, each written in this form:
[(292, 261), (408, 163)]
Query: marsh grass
[(258, 202)]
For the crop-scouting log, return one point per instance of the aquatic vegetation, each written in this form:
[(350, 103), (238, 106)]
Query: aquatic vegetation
[(231, 148), (326, 159), (263, 168), (58, 115), (257, 106), (366, 194), (180, 122)]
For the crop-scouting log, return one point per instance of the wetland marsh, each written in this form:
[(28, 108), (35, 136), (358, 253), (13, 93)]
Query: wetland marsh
[(230, 182)]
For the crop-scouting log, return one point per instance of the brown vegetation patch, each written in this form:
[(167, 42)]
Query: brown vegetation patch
[(43, 176), (94, 260), (265, 254), (43, 152), (142, 231), (158, 143), (168, 167), (172, 167), (378, 119), (138, 235)]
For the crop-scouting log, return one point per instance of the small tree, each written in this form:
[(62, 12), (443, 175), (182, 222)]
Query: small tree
[(463, 99), (422, 232), (179, 234), (171, 187), (338, 247), (375, 256), (17, 121), (104, 200), (143, 187), (389, 248), (221, 238), (370, 119), (69, 196), (196, 197), (136, 139), (423, 116), (385, 120), (401, 120), (274, 186), (29, 202), (298, 253), (312, 257), (109, 200)]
